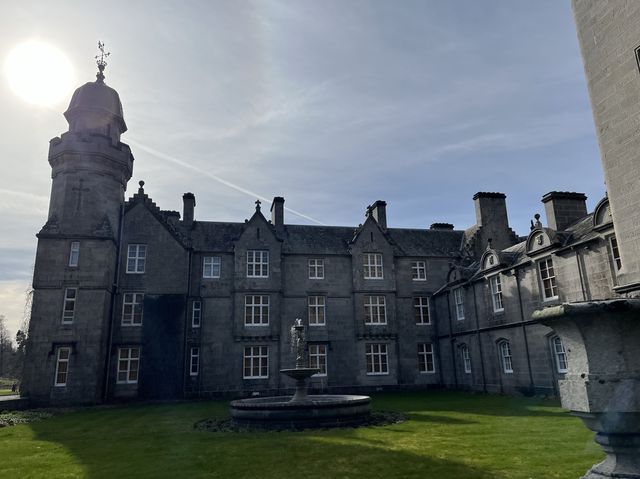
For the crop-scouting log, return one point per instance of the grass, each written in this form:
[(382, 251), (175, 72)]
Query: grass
[(6, 392), (448, 435)]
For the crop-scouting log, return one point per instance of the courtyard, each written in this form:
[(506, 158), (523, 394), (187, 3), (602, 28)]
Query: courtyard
[(447, 435)]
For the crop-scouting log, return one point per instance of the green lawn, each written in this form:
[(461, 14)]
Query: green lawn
[(6, 392), (448, 435)]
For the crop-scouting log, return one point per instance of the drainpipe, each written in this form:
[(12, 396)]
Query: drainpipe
[(475, 310), (112, 305), (524, 331)]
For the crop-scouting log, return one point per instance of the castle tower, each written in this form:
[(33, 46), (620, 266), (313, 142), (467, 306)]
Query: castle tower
[(78, 250)]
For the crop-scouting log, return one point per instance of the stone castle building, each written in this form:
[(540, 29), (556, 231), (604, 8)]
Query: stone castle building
[(132, 301)]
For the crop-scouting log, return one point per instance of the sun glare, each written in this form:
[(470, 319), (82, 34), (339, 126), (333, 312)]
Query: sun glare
[(39, 73)]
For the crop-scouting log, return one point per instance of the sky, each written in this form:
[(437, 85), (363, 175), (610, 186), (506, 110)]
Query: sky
[(332, 104)]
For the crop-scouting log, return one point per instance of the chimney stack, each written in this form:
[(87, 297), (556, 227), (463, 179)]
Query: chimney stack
[(491, 209), (277, 212), (189, 203), (379, 212), (564, 208)]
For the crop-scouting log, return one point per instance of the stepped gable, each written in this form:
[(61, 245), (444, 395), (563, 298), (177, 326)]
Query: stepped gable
[(163, 216)]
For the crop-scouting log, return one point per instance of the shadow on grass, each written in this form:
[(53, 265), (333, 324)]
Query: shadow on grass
[(438, 419), (161, 442)]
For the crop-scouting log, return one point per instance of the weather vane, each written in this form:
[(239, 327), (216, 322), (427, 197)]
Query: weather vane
[(100, 60)]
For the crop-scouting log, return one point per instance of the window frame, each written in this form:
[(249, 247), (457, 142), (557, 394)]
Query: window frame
[(253, 357), (496, 293), (318, 352), (613, 248), (319, 309), (377, 359), (60, 361), (68, 319), (210, 262), (416, 267), (506, 356), (194, 354), (558, 353), (424, 355), (552, 279), (260, 260), (380, 306), (317, 267), (424, 303), (466, 359), (196, 306), (458, 301), (128, 360), (250, 319), (133, 303), (137, 258), (373, 270), (74, 254)]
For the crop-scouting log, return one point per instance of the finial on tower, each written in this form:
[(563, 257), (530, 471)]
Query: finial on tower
[(141, 189), (101, 62), (258, 202)]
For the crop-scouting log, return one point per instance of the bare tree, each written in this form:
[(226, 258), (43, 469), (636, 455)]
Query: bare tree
[(5, 341)]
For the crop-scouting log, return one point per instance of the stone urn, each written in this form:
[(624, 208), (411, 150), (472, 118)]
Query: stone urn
[(602, 384)]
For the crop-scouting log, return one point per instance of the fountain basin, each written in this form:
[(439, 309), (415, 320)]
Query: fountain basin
[(316, 411)]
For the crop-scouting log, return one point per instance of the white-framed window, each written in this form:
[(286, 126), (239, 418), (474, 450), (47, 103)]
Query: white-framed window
[(69, 307), (256, 310), (421, 310), (256, 362), (62, 367), (132, 309), (211, 267), (316, 310), (458, 299), (136, 258), (419, 270), (196, 314), (495, 283), (74, 254), (376, 357), (372, 263), (426, 363), (128, 365), (505, 356), (548, 279), (560, 355), (316, 268), (318, 358), (615, 253), (375, 310), (466, 358), (194, 362), (257, 264)]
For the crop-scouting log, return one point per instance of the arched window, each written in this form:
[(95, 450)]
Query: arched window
[(505, 356), (466, 358), (560, 354)]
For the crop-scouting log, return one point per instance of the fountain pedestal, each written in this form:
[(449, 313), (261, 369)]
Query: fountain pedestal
[(602, 385), (300, 375)]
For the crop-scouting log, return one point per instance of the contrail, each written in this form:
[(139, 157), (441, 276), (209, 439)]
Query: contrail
[(250, 193)]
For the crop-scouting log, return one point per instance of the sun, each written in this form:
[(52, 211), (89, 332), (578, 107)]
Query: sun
[(39, 73)]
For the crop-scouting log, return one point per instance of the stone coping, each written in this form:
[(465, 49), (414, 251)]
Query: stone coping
[(313, 401), (584, 308)]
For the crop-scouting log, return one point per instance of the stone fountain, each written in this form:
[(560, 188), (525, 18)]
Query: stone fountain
[(602, 384), (301, 411)]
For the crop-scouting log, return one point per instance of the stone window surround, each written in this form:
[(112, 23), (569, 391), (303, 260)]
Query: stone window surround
[(615, 253), (211, 267), (426, 358), (62, 367), (74, 254), (419, 270), (196, 314), (466, 358), (318, 359), (316, 268), (458, 299), (372, 266), (136, 258), (316, 306), (375, 310), (377, 359), (547, 278), (256, 310), (506, 357), (495, 287), (194, 361), (257, 263), (559, 355), (69, 305), (422, 309), (135, 303), (255, 358), (128, 365)]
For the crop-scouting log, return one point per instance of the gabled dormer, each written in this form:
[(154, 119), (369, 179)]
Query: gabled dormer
[(543, 239), (602, 218)]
